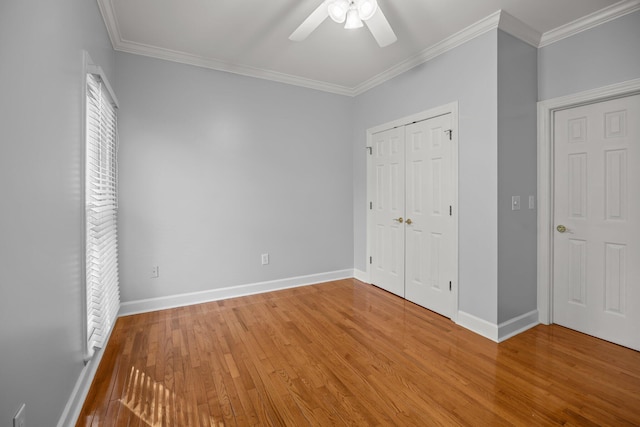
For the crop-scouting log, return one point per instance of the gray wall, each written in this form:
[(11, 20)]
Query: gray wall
[(607, 54), (217, 168), (517, 95), (466, 74), (41, 80)]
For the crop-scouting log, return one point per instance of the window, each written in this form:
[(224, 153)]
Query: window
[(101, 209)]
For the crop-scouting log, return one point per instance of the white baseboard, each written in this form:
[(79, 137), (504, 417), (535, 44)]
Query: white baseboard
[(162, 303), (361, 275), (501, 332), (79, 393), (478, 325), (517, 325)]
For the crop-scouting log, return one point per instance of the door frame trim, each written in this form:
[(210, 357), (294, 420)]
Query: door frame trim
[(546, 111), (451, 108)]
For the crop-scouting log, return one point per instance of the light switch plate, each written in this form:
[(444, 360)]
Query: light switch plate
[(515, 203)]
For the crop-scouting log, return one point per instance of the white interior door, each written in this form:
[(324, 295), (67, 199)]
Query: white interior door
[(430, 258), (387, 253), (596, 262)]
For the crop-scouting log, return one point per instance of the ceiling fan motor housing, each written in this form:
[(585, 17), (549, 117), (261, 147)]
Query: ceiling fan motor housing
[(353, 12), (338, 9)]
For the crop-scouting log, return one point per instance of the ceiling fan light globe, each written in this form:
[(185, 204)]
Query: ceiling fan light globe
[(367, 8), (353, 20), (338, 10)]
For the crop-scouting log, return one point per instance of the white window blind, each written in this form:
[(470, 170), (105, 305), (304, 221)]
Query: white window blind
[(101, 204)]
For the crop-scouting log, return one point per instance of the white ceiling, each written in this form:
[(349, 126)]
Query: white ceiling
[(250, 37)]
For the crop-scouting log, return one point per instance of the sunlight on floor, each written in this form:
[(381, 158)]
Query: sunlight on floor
[(156, 405)]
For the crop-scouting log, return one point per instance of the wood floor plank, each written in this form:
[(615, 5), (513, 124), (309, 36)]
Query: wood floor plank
[(347, 353)]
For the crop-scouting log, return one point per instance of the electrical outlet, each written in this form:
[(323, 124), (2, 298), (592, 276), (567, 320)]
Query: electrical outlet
[(19, 420), (265, 259), (155, 272)]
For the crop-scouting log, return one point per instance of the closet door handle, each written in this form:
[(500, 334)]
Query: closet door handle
[(409, 222), (400, 220)]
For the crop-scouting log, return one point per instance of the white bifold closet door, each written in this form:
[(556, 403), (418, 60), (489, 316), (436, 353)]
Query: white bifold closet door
[(413, 253), (387, 260), (596, 251)]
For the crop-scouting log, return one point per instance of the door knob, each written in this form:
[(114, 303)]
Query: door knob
[(409, 222), (400, 220), (561, 228)]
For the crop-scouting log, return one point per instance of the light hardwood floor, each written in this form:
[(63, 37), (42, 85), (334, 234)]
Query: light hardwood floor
[(347, 353)]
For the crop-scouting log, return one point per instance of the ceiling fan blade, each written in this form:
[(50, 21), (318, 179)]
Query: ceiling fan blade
[(380, 28), (312, 22)]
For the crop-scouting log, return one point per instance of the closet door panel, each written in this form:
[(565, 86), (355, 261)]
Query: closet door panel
[(429, 225), (388, 205)]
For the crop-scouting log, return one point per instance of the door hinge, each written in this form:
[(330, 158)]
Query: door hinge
[(450, 132), (370, 260), (370, 205), (450, 210), (449, 284), (370, 150)]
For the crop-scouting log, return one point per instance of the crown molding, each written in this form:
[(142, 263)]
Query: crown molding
[(607, 14), (122, 45), (110, 21), (512, 25), (499, 19), (199, 61), (487, 24)]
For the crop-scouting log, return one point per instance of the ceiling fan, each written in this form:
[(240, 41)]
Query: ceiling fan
[(352, 13)]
